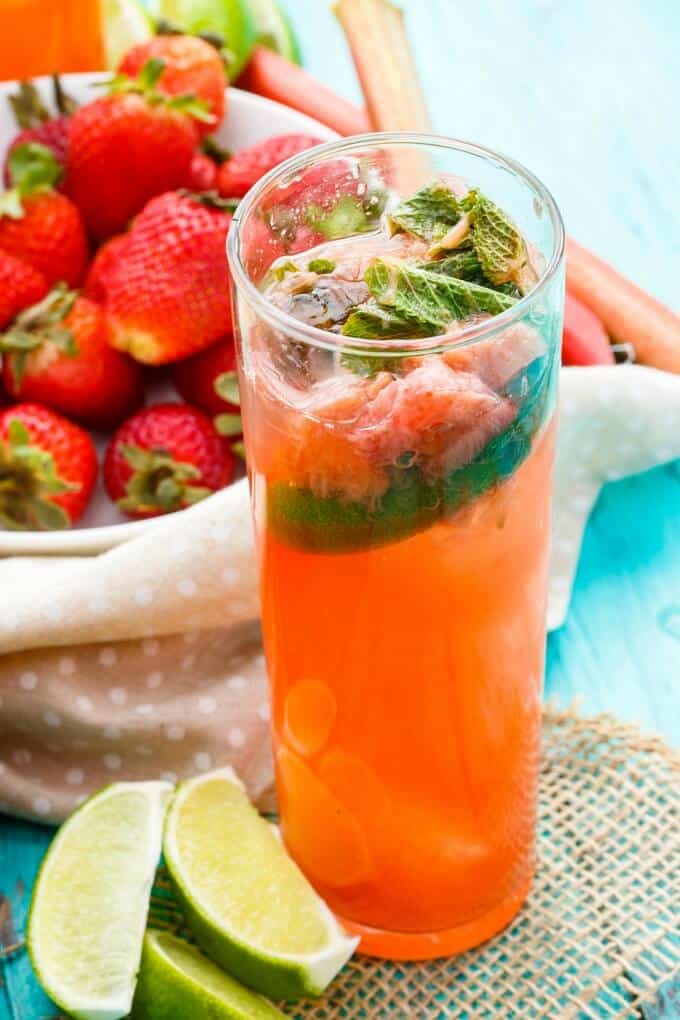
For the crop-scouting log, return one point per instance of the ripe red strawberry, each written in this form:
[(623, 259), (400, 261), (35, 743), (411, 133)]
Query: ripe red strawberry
[(36, 123), (202, 173), (195, 378), (20, 286), (165, 458), (168, 294), (97, 275), (191, 66), (48, 467), (129, 146), (243, 170), (37, 224), (57, 353)]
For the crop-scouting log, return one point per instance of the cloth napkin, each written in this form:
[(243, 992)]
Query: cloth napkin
[(146, 661)]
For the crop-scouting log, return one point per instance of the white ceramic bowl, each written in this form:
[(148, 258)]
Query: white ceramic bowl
[(249, 119)]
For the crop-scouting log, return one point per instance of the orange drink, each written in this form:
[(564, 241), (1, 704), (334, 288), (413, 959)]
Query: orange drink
[(398, 364), (49, 36)]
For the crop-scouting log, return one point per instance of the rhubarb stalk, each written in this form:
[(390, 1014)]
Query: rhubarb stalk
[(384, 61), (628, 312), (270, 75)]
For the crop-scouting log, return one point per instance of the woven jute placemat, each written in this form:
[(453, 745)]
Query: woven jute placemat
[(598, 936)]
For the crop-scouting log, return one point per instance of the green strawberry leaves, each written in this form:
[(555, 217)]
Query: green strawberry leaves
[(33, 169), (145, 85), (40, 324), (28, 478), (159, 482), (228, 425)]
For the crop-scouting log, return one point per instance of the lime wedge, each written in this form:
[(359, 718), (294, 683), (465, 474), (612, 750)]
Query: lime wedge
[(126, 23), (230, 19), (175, 980), (88, 913), (248, 905), (274, 29)]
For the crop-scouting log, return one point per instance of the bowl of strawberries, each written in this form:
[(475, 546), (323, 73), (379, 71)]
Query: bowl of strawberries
[(118, 389)]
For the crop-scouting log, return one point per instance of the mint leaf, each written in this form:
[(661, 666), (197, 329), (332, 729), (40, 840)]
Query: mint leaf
[(365, 365), (278, 272), (428, 214), (498, 243), (321, 266), (372, 322), (431, 298), (347, 217), (464, 265)]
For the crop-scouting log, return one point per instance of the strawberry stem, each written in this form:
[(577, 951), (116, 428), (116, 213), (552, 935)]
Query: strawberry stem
[(145, 85), (33, 168), (28, 478), (159, 482)]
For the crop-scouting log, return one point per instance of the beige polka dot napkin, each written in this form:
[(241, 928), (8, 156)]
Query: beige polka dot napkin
[(146, 661)]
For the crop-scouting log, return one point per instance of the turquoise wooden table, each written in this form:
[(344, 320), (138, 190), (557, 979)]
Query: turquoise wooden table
[(586, 95)]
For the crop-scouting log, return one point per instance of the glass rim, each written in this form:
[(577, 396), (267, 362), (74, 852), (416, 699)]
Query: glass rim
[(474, 332)]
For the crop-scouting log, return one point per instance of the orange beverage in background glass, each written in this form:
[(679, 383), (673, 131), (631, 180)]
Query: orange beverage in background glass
[(401, 499), (49, 36)]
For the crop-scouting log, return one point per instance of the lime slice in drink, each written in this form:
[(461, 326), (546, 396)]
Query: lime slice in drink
[(229, 19), (248, 905), (125, 23), (88, 914), (175, 980), (274, 29)]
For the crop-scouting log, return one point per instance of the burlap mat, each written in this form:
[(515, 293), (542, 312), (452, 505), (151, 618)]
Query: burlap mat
[(598, 936)]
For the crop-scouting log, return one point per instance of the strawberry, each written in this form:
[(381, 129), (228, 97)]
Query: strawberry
[(202, 173), (238, 174), (36, 123), (205, 379), (191, 65), (166, 457), (37, 224), (20, 286), (97, 276), (57, 353), (168, 293), (129, 146), (48, 468)]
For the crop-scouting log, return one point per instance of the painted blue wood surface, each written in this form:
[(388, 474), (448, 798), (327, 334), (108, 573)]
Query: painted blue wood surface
[(586, 95)]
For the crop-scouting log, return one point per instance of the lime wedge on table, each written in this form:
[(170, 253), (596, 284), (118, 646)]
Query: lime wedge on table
[(230, 19), (176, 981), (247, 903), (89, 908), (126, 23), (274, 29)]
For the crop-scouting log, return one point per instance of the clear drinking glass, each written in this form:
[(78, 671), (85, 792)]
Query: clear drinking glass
[(403, 606)]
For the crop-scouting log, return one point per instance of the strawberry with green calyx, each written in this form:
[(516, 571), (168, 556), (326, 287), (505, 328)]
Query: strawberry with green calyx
[(57, 353), (20, 286), (166, 457), (196, 379), (37, 124), (38, 225), (48, 468), (190, 66), (168, 293), (128, 146)]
